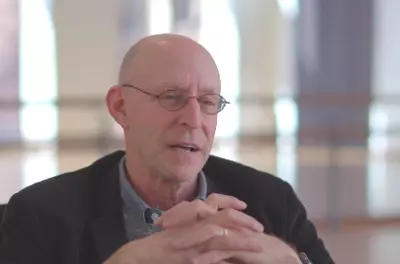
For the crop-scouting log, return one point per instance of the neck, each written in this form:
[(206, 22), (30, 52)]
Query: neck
[(157, 191)]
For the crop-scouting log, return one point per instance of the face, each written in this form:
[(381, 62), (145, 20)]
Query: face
[(156, 137)]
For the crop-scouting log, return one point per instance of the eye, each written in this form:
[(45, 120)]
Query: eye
[(171, 95), (211, 100)]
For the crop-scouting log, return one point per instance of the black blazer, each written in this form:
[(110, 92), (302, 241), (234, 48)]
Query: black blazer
[(2, 208), (77, 217)]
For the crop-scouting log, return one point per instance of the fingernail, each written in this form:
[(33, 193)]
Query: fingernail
[(242, 204), (259, 227)]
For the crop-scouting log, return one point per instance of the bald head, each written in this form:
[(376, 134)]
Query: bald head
[(163, 51)]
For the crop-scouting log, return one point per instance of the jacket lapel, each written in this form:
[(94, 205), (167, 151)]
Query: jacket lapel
[(221, 179), (212, 173), (108, 234), (107, 225), (214, 185)]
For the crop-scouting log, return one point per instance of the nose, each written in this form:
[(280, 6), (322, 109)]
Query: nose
[(190, 114)]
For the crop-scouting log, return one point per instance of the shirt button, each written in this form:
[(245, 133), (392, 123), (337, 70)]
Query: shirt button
[(154, 216)]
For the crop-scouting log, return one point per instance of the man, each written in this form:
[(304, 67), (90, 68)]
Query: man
[(212, 210)]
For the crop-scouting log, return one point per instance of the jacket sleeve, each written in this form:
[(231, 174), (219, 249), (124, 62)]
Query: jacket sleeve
[(24, 233), (301, 232)]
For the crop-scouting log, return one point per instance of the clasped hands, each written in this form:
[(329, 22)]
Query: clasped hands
[(205, 232)]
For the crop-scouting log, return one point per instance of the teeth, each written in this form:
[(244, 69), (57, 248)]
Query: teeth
[(188, 147)]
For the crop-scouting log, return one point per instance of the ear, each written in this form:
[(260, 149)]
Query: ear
[(116, 106)]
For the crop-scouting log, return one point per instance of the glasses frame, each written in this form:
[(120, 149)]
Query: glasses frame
[(223, 101)]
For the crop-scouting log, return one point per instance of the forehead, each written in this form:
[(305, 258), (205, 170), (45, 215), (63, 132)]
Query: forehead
[(183, 70)]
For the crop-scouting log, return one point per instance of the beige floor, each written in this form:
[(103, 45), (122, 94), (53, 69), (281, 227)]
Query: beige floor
[(373, 245), (379, 182)]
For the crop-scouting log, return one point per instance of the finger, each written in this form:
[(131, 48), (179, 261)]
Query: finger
[(213, 257), (185, 213), (233, 242), (224, 262), (221, 201), (194, 236), (236, 220), (179, 207)]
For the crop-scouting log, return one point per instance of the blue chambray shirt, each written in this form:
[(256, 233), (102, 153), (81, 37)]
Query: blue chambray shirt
[(134, 207)]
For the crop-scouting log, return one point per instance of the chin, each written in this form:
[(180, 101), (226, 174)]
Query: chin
[(183, 168), (181, 175)]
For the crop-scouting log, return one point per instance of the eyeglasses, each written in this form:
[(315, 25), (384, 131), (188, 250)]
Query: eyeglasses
[(173, 100)]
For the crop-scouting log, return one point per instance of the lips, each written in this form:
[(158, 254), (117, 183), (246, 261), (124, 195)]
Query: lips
[(189, 147)]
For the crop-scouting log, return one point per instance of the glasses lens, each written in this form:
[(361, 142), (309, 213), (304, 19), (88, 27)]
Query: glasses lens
[(172, 100), (212, 103)]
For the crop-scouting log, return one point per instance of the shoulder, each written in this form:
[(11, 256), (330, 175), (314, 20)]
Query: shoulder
[(64, 191), (52, 198), (228, 172)]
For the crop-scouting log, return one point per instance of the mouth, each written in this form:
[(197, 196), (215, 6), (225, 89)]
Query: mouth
[(185, 147)]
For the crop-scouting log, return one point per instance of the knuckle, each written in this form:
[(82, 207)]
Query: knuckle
[(197, 204), (213, 196), (215, 199), (182, 204), (212, 229), (230, 213), (177, 208)]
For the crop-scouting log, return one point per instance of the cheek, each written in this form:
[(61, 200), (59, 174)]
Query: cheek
[(149, 125), (210, 125)]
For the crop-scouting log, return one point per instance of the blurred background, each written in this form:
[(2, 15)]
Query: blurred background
[(314, 86)]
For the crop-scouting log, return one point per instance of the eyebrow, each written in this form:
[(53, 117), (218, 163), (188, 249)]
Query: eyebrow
[(168, 86), (209, 90)]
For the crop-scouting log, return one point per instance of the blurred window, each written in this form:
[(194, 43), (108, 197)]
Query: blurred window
[(37, 78)]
